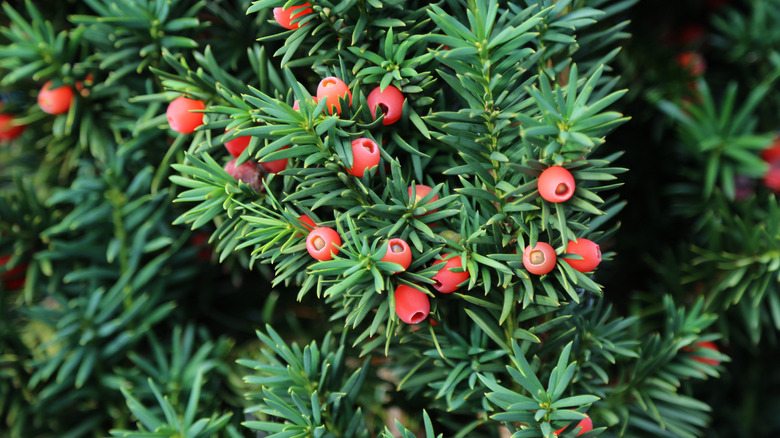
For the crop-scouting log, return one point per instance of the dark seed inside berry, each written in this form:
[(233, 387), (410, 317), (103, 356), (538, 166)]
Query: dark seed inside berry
[(536, 257), (562, 189), (318, 243), (396, 248), (383, 108)]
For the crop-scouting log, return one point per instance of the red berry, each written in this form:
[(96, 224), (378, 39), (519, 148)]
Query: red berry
[(411, 305), (555, 184), (398, 252), (275, 166), (88, 80), (307, 222), (539, 259), (705, 344), (297, 104), (421, 191), (180, 115), (201, 242), (9, 131), (333, 89), (772, 153), (322, 243), (692, 62), (365, 155), (248, 173), (585, 425), (772, 156), (285, 17), (390, 102), (446, 280), (236, 146), (55, 100), (590, 252), (13, 278), (772, 176)]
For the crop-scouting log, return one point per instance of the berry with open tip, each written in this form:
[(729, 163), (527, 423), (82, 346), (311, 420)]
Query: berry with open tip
[(411, 305), (398, 252), (322, 243), (333, 89), (539, 259), (556, 184), (365, 155), (390, 102)]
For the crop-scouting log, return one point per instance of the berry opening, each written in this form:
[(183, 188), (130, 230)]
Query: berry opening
[(396, 248), (318, 243), (368, 145), (328, 82), (437, 285), (536, 257), (417, 317), (383, 108), (562, 189)]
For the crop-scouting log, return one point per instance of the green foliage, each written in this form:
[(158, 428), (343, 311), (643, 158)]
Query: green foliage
[(543, 405), (723, 141), (174, 423), (745, 260), (313, 390), (124, 327)]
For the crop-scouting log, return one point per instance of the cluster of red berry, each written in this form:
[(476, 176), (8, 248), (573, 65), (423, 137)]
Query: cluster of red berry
[(412, 305), (52, 101), (541, 258), (555, 184), (185, 115)]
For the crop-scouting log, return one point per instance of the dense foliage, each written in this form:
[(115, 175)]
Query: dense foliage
[(527, 216)]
